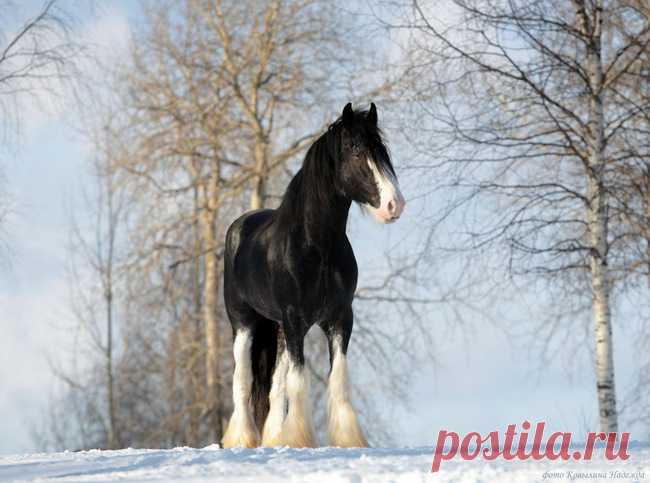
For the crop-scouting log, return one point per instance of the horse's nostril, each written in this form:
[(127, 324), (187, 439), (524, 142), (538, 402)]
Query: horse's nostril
[(391, 207)]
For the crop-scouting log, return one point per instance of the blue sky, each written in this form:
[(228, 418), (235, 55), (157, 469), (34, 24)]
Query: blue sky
[(482, 381)]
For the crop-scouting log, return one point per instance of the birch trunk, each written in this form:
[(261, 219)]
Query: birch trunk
[(211, 285), (647, 223), (111, 437), (597, 220), (601, 310), (108, 299), (192, 333), (259, 185)]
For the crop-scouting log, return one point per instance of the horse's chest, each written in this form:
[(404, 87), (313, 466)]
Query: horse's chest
[(318, 285)]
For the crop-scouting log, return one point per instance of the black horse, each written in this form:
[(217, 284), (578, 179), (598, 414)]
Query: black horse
[(290, 268)]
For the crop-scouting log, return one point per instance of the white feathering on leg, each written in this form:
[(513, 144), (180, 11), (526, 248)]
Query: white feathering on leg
[(343, 425), (272, 434), (241, 430), (297, 429)]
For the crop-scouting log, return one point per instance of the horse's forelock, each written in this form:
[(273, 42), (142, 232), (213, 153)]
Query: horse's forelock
[(380, 153)]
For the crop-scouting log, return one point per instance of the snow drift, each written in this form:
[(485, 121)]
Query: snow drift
[(329, 465)]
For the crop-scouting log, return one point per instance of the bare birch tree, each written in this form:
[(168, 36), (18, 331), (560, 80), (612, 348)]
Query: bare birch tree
[(529, 101)]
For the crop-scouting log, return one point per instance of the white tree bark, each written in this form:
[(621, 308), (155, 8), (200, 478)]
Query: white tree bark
[(597, 219), (605, 380), (210, 302)]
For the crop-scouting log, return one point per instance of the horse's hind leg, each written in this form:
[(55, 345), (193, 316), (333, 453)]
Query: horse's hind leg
[(297, 429), (343, 426), (241, 429), (272, 433)]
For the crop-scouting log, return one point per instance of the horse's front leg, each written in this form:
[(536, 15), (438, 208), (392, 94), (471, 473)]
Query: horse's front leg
[(343, 425), (298, 429)]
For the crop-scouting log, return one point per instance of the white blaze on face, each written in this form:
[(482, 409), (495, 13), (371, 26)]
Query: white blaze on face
[(391, 201)]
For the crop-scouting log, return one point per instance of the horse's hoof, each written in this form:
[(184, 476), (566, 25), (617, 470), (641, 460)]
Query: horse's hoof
[(299, 440), (299, 444), (240, 437), (239, 443), (272, 441)]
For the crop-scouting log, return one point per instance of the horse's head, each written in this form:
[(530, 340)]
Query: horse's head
[(365, 172)]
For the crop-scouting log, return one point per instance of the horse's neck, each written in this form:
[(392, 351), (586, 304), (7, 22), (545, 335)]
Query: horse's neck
[(325, 226), (323, 222)]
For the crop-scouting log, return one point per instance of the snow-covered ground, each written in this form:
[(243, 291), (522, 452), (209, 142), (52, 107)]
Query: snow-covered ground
[(329, 465)]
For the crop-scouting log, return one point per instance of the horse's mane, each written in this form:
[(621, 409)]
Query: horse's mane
[(315, 181)]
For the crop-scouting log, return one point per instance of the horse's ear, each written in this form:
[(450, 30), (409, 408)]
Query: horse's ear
[(348, 114), (372, 114)]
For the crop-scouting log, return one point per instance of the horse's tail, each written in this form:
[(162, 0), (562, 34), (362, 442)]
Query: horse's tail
[(263, 353)]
